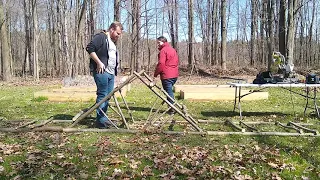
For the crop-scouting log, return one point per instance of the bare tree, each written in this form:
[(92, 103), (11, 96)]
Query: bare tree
[(28, 36), (5, 48), (116, 10), (263, 25), (36, 67), (270, 33), (282, 27), (253, 32), (190, 34), (92, 11), (78, 32), (135, 36), (215, 34), (310, 38), (291, 29), (223, 35)]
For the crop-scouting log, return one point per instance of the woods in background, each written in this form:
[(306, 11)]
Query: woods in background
[(41, 38)]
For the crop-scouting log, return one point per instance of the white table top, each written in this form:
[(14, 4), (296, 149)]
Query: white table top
[(273, 85)]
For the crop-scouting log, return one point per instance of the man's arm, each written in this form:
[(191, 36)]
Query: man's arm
[(100, 65), (95, 44), (161, 63)]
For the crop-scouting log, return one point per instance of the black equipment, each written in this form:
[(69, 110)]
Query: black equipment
[(312, 79)]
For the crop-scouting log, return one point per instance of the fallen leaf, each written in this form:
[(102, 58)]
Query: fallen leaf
[(273, 165), (60, 156), (305, 178), (116, 161), (83, 176), (1, 169), (134, 164)]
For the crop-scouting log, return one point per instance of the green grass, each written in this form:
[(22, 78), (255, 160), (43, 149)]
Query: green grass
[(55, 155)]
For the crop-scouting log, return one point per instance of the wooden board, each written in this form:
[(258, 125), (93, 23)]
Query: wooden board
[(210, 89), (72, 94), (178, 88), (221, 95)]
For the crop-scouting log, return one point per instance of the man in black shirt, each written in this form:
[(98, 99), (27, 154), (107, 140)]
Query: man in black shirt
[(103, 64)]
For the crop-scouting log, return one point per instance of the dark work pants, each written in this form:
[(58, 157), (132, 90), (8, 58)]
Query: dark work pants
[(167, 85)]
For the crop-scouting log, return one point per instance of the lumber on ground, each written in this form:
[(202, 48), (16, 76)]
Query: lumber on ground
[(215, 133), (72, 94), (220, 94), (178, 88)]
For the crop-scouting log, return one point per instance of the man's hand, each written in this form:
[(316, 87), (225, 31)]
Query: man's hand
[(100, 68), (153, 82)]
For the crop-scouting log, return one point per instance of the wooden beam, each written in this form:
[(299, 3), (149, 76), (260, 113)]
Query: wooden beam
[(178, 88), (221, 95), (212, 133)]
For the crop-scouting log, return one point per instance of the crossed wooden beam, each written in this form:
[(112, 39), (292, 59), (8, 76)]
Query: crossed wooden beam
[(158, 91)]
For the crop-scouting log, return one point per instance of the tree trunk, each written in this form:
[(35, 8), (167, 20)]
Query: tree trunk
[(135, 36), (36, 67), (207, 41), (171, 4), (291, 29), (65, 41), (60, 67), (176, 20), (190, 34), (116, 10), (78, 32), (262, 56), (282, 27), (310, 38), (253, 32), (270, 34), (91, 20), (5, 48), (223, 34), (215, 23)]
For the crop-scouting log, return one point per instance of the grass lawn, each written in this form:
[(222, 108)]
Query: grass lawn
[(92, 155)]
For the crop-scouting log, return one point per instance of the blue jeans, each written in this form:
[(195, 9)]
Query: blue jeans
[(105, 84), (167, 85)]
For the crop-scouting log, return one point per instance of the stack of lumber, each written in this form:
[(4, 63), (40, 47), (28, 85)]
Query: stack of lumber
[(215, 92), (75, 93)]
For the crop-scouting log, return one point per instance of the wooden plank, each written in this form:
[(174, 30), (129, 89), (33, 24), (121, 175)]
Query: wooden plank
[(72, 96), (222, 95), (75, 89), (85, 89), (210, 89), (178, 88)]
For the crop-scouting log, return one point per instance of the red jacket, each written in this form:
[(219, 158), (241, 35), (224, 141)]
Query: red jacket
[(168, 62)]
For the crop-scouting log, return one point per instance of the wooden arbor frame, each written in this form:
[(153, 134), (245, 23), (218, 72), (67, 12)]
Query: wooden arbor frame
[(153, 119)]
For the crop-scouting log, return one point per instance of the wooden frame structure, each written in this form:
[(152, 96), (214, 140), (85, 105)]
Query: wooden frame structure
[(156, 119)]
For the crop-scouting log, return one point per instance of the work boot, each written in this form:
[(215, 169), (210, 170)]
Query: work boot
[(171, 111), (104, 125)]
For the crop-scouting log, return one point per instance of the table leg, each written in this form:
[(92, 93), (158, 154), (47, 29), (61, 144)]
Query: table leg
[(239, 102), (315, 101), (307, 103), (235, 99)]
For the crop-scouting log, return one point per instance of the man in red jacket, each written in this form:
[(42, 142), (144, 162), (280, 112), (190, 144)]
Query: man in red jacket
[(167, 67)]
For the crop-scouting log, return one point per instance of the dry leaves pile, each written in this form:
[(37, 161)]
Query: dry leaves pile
[(139, 156)]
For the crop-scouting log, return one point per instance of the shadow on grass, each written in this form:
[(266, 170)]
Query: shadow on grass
[(87, 121), (63, 116), (233, 113), (135, 108)]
